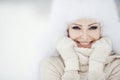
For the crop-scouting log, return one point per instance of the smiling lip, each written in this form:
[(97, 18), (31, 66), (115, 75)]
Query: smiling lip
[(84, 44)]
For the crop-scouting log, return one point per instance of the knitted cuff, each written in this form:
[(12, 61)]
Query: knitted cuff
[(95, 66), (95, 71)]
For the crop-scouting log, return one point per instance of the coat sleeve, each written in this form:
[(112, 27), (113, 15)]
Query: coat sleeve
[(115, 72), (49, 71)]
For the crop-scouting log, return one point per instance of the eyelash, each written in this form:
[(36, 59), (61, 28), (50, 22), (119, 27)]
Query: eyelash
[(93, 28), (76, 28)]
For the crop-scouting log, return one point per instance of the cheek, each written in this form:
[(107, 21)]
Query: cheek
[(96, 35), (73, 34)]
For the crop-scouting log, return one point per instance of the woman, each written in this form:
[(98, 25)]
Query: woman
[(84, 54)]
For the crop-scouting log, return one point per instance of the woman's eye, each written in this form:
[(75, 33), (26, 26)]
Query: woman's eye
[(93, 27), (76, 27)]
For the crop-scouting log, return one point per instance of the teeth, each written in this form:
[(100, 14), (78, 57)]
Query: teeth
[(84, 43)]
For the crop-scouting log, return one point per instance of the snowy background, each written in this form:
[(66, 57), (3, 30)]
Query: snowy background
[(22, 24)]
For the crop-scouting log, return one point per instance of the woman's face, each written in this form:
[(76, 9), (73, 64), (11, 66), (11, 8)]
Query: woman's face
[(84, 32)]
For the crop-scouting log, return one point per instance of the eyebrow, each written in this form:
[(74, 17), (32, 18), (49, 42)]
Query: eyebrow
[(81, 25), (92, 24), (77, 24)]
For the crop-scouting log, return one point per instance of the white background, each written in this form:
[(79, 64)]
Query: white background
[(22, 25)]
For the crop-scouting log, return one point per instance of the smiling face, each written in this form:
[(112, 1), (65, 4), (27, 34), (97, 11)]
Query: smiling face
[(84, 32)]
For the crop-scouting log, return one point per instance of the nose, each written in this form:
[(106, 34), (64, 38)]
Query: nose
[(84, 36)]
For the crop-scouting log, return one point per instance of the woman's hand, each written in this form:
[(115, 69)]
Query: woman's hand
[(101, 49), (65, 48)]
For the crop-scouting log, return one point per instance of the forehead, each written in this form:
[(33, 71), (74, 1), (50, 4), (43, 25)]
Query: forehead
[(85, 21)]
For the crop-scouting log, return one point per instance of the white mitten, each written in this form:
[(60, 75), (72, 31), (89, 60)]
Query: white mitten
[(101, 50), (65, 48)]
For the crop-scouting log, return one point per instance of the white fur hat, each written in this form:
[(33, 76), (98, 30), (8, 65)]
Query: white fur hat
[(65, 12)]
